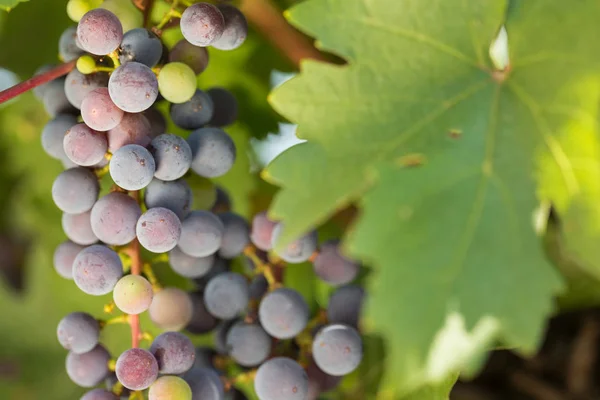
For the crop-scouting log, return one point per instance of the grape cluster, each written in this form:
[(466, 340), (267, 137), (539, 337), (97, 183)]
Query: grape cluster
[(105, 123)]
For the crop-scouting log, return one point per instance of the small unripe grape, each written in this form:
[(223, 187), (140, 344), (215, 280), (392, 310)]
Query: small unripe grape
[(170, 387), (77, 8), (133, 294), (177, 82), (86, 64)]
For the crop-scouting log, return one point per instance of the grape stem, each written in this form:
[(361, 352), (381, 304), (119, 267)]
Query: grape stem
[(147, 4), (261, 267), (136, 269), (36, 81)]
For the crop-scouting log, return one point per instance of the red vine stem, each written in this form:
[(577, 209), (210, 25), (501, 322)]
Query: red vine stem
[(36, 81), (136, 269)]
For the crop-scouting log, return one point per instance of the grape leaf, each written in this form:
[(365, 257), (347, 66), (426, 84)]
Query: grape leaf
[(10, 4), (449, 160)]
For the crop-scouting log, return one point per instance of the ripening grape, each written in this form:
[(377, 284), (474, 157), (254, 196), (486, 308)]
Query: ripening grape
[(132, 167), (319, 381), (88, 369), (172, 155), (171, 309), (133, 129), (99, 394), (333, 267), (78, 85), (176, 82), (225, 107), (67, 45), (188, 266), (141, 45), (170, 388), (174, 195), (248, 344), (201, 234), (337, 349), (75, 190), (64, 255), (97, 269), (194, 113), (201, 24), (158, 230), (226, 295), (283, 313), (136, 369), (195, 57), (236, 235), (262, 231), (202, 321), (78, 228), (114, 218), (236, 28), (205, 384), (299, 250), (281, 378), (78, 332), (158, 123), (133, 87), (133, 294), (220, 335), (174, 353), (213, 152), (127, 13), (85, 146), (86, 64), (99, 32), (99, 112), (345, 305), (219, 266), (53, 135)]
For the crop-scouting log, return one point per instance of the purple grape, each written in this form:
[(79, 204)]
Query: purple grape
[(201, 234), (40, 90), (99, 112), (173, 156), (258, 287), (78, 85), (174, 195), (88, 369), (248, 344), (64, 255), (299, 250), (114, 218), (133, 87), (195, 57), (171, 309), (78, 228), (345, 305), (174, 352), (68, 50), (283, 313), (142, 46), (99, 394), (99, 32), (202, 321), (132, 167), (133, 129), (205, 384), (194, 113), (136, 369), (236, 236), (236, 28), (262, 231), (188, 266), (213, 152), (226, 295), (75, 190), (55, 99), (222, 201), (158, 123), (332, 267), (337, 349), (220, 335), (97, 269), (158, 230), (204, 357), (53, 135), (225, 107), (281, 378), (85, 146), (78, 332), (320, 382), (201, 24)]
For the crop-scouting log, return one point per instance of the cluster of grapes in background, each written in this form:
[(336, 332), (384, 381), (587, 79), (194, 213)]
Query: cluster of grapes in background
[(105, 126)]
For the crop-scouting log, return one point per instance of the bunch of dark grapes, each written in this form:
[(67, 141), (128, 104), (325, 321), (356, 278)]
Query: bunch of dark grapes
[(104, 123)]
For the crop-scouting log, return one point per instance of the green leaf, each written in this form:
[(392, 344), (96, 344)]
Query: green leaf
[(449, 160), (10, 4)]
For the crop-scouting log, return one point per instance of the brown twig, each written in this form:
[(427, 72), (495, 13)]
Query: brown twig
[(148, 4), (36, 81), (269, 21), (583, 357), (534, 387)]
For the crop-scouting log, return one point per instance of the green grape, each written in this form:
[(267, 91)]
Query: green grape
[(170, 387), (77, 8), (86, 64), (129, 16), (177, 82), (133, 294)]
